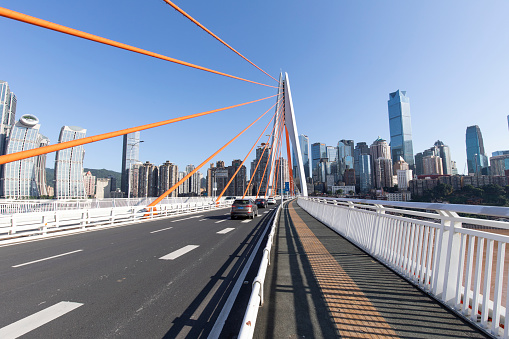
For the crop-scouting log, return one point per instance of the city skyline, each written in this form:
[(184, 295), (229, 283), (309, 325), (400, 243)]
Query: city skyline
[(441, 66)]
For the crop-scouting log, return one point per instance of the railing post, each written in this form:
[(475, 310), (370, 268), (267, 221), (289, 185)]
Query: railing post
[(112, 216), (447, 257), (348, 218), (375, 235), (44, 224), (13, 224), (57, 219), (83, 218)]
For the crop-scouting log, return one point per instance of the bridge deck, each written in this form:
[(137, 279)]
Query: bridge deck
[(320, 285)]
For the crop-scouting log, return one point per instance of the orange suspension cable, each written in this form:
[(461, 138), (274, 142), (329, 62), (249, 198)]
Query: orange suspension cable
[(278, 162), (242, 163), (71, 31), (281, 123), (181, 11), (288, 154), (258, 163), (155, 202), (265, 169), (68, 144)]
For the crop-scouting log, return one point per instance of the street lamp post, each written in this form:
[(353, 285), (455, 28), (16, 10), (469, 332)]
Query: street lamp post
[(130, 169)]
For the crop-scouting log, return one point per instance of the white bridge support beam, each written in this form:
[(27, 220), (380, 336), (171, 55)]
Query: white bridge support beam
[(291, 125)]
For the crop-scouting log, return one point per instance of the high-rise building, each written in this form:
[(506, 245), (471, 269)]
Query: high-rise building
[(318, 152), (404, 177), (383, 173), (89, 182), (257, 184), (7, 113), (499, 162), (20, 177), (148, 175), (432, 165), (130, 156), (401, 164), (360, 148), (69, 182), (183, 188), (445, 154), (381, 163), (168, 175), (193, 181), (238, 184), (400, 127), (103, 188), (365, 173), (477, 161), (40, 168)]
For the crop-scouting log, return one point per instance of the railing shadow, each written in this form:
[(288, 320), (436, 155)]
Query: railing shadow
[(200, 326)]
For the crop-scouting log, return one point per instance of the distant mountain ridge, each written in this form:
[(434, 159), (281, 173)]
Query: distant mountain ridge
[(98, 173)]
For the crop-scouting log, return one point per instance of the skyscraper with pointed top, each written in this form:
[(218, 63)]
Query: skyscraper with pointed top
[(400, 127)]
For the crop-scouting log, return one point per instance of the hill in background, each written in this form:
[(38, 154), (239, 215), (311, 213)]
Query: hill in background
[(98, 173)]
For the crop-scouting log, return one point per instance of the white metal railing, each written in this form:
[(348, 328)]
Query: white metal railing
[(9, 206), (45, 223), (256, 299), (431, 245)]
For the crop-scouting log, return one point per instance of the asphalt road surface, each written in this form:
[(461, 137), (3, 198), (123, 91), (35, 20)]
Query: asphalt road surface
[(160, 279)]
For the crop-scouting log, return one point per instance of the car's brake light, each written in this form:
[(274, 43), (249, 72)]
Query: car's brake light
[(249, 206)]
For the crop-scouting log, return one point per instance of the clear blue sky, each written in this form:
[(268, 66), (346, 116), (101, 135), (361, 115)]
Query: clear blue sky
[(343, 59)]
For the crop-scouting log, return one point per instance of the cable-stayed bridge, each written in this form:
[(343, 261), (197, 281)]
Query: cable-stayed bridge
[(181, 268)]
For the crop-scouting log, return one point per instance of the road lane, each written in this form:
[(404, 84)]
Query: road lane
[(123, 285)]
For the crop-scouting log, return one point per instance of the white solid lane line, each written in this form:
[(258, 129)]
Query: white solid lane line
[(48, 258), (38, 319), (164, 229), (226, 230), (178, 253), (196, 216), (217, 222)]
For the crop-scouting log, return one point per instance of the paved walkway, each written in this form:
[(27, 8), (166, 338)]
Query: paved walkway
[(319, 285)]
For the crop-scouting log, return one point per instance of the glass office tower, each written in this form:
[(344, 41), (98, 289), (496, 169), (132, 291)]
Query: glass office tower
[(19, 179), (400, 127), (318, 151), (69, 182), (477, 161), (130, 157)]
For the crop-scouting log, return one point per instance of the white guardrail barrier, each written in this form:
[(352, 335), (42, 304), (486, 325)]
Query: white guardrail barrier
[(456, 253), (46, 223), (256, 299)]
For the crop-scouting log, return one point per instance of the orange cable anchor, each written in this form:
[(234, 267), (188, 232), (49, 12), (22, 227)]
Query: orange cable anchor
[(242, 163), (68, 144), (181, 11), (155, 202), (71, 31)]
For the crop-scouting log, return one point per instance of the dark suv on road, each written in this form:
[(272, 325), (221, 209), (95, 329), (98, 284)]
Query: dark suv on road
[(260, 202), (245, 208)]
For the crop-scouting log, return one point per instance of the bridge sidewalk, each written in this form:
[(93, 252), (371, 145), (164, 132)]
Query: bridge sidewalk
[(319, 285)]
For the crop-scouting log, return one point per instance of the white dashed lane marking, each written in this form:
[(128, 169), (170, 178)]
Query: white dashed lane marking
[(226, 230), (217, 222), (164, 229), (196, 216), (245, 221), (48, 258), (38, 319), (175, 254)]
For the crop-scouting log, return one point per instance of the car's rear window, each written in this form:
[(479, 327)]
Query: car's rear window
[(241, 202)]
